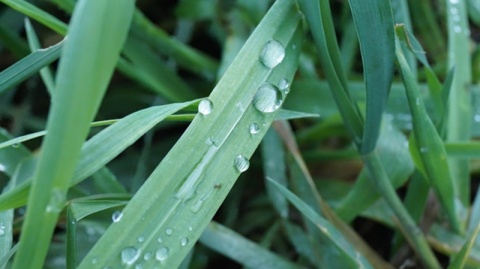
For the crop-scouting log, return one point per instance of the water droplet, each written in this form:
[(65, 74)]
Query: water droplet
[(129, 255), (272, 54), (457, 29), (138, 266), (161, 254), (284, 85), (190, 228), (454, 1), (117, 216), (2, 230), (268, 98), (184, 241), (196, 206), (169, 231), (241, 163), (95, 260), (159, 239), (140, 239), (205, 107), (254, 128), (2, 168), (423, 149), (148, 256), (16, 145), (477, 117)]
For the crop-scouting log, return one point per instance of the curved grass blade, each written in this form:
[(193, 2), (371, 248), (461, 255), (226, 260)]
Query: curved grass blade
[(374, 24), (430, 146), (183, 193), (460, 259), (81, 82), (242, 250), (102, 148)]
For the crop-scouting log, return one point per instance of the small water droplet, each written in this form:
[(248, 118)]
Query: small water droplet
[(57, 201), (2, 231), (205, 107), (190, 228), (272, 54), (423, 150), (268, 98), (16, 145), (457, 29), (148, 255), (161, 254), (138, 266), (184, 241), (254, 128), (241, 163), (95, 260), (477, 117), (140, 239), (169, 231), (196, 206), (417, 101), (117, 216), (129, 255), (159, 239), (454, 1), (284, 85), (2, 168)]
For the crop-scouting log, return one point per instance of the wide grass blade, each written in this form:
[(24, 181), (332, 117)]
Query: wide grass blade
[(81, 82), (242, 250), (374, 24), (181, 196)]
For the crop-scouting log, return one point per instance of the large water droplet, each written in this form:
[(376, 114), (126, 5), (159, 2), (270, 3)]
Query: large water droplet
[(205, 107), (161, 254), (117, 216), (268, 98), (129, 255), (272, 54), (284, 85), (241, 163), (169, 231), (253, 128), (184, 241)]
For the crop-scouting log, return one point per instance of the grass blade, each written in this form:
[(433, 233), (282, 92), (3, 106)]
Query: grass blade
[(67, 127), (374, 24), (182, 194), (247, 253)]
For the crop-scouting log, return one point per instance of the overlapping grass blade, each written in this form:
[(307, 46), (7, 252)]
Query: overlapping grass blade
[(460, 259), (374, 24), (28, 66), (428, 141), (81, 83), (34, 44), (336, 239), (242, 250), (181, 196), (102, 148), (11, 157)]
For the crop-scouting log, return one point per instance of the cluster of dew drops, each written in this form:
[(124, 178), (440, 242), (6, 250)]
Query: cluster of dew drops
[(267, 99)]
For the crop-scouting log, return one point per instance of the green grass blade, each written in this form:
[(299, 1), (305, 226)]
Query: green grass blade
[(102, 148), (38, 15), (181, 196), (460, 259), (473, 8), (459, 106), (336, 239), (28, 66), (374, 24), (428, 141), (242, 250), (34, 44), (320, 20), (80, 85)]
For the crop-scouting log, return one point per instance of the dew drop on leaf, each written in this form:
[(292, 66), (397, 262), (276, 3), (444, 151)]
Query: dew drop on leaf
[(161, 254), (129, 255), (117, 216), (205, 107), (272, 54), (268, 98), (184, 241), (241, 163), (169, 231), (284, 85), (253, 128)]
